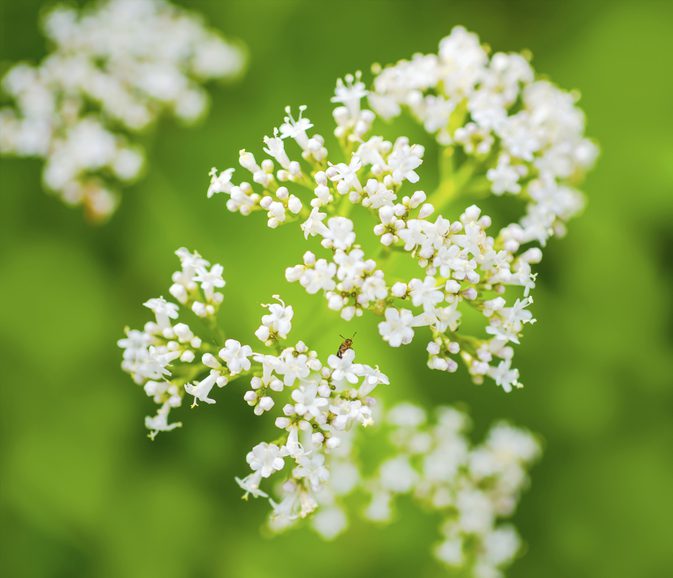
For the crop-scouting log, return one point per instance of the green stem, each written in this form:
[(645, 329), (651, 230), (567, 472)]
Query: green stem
[(344, 206), (453, 183)]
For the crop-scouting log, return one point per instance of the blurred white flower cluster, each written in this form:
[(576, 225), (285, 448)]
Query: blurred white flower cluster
[(473, 488), (316, 402), (112, 70), (499, 131)]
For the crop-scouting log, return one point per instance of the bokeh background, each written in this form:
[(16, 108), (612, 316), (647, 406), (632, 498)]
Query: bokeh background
[(82, 490)]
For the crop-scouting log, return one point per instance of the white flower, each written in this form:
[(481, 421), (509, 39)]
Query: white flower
[(346, 175), (135, 344), (210, 279), (349, 92), (296, 128), (378, 195), (404, 160), (320, 277), (164, 311), (266, 459), (307, 401), (159, 422), (276, 148), (505, 177), (312, 468), (220, 182), (277, 323), (293, 367), (397, 329), (373, 378), (251, 486), (201, 390), (236, 356), (314, 224), (349, 412), (505, 376), (425, 293), (339, 234), (343, 368)]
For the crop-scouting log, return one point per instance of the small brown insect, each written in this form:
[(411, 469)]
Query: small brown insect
[(345, 345)]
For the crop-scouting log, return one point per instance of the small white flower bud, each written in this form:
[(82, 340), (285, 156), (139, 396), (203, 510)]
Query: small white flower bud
[(426, 211), (532, 255), (399, 289), (266, 403), (187, 356), (199, 309), (276, 384), (387, 239), (294, 204), (282, 422), (262, 333), (247, 161), (209, 360), (417, 199), (433, 348), (470, 294)]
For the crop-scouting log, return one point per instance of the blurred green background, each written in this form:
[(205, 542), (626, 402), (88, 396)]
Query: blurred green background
[(82, 490)]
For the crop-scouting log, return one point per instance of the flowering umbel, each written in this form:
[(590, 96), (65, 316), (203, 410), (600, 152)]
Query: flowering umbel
[(113, 70), (499, 131), (467, 278)]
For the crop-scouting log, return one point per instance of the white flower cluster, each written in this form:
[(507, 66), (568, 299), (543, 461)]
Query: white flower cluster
[(473, 488), (320, 402), (113, 69), (526, 135), (498, 128), (165, 356), (325, 402)]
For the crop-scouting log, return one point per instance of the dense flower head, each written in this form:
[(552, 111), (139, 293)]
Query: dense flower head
[(112, 70), (499, 131)]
